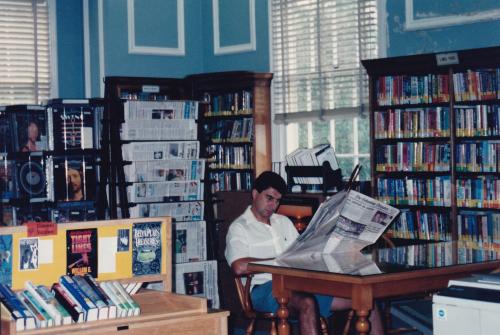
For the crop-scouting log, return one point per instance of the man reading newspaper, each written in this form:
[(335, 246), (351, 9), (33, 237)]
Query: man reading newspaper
[(259, 233)]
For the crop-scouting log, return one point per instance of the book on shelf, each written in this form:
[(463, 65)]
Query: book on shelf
[(23, 317), (41, 320), (90, 310), (103, 308), (49, 298), (31, 127), (68, 302), (124, 309), (112, 309), (38, 300), (146, 248), (136, 309)]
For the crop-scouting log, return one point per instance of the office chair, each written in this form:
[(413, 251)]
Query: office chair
[(253, 315)]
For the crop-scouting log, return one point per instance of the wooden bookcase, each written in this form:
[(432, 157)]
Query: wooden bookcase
[(161, 311), (434, 120)]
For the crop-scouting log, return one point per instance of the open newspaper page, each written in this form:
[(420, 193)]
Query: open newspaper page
[(346, 222), (353, 263)]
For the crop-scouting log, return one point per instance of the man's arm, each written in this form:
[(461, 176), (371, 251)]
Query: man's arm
[(240, 266)]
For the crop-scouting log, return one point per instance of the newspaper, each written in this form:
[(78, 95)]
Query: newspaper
[(179, 211), (346, 222), (160, 110), (198, 279), (190, 241), (160, 191), (146, 151), (182, 129), (354, 263), (165, 170)]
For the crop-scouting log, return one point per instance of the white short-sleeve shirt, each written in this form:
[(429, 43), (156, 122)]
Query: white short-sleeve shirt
[(248, 237)]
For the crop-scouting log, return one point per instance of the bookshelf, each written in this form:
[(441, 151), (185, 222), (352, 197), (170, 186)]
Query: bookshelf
[(236, 128), (434, 121)]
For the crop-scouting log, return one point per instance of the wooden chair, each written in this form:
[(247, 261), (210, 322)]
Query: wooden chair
[(253, 315)]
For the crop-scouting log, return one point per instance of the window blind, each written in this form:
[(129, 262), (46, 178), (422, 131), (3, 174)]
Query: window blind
[(24, 52), (316, 51)]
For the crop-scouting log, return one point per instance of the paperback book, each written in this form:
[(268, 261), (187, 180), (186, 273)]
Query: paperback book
[(30, 126), (6, 260), (81, 253), (74, 126), (74, 178), (146, 248)]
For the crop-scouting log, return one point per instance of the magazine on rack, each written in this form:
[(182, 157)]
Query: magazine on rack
[(345, 223)]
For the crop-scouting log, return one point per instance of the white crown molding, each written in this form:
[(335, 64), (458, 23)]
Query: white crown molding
[(133, 48), (236, 48), (447, 20)]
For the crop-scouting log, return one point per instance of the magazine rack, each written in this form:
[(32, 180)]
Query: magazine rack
[(331, 178)]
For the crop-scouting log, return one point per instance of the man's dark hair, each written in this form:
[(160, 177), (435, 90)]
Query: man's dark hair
[(269, 179)]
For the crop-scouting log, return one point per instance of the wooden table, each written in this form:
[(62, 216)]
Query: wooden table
[(362, 289)]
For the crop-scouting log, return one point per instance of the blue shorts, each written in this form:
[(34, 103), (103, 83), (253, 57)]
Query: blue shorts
[(263, 300)]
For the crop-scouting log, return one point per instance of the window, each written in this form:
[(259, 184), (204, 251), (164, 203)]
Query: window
[(24, 52), (320, 89)]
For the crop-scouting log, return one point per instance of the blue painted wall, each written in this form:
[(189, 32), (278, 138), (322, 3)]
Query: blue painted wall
[(463, 36)]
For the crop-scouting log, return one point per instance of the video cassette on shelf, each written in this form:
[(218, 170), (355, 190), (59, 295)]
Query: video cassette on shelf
[(7, 179), (147, 151), (33, 178), (160, 110), (179, 211), (190, 241), (77, 211), (165, 170), (75, 124), (74, 178), (36, 212), (165, 191), (6, 142), (198, 279), (31, 127), (157, 130)]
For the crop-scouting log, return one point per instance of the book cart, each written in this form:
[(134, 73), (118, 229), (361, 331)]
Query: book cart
[(161, 311), (434, 125)]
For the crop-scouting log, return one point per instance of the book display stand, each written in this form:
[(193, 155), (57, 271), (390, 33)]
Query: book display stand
[(161, 311)]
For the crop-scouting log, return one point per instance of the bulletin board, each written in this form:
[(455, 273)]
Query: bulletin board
[(115, 256)]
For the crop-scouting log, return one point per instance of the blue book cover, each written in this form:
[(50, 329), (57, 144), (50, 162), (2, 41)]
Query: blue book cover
[(146, 248), (6, 259)]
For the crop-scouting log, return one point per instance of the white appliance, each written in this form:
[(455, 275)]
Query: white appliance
[(469, 306)]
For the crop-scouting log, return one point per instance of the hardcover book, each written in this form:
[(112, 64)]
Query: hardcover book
[(81, 253), (146, 248), (77, 211), (6, 259), (73, 126)]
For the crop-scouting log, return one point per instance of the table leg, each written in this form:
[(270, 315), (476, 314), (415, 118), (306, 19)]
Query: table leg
[(283, 326), (362, 322)]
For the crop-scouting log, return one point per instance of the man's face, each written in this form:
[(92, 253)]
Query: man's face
[(74, 179), (265, 203), (32, 131)]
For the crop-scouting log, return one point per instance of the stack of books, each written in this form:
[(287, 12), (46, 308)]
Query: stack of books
[(74, 299)]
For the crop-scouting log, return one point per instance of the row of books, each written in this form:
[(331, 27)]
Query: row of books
[(60, 125), (422, 225), (479, 227), (482, 84), (234, 103), (434, 191), (74, 299), (411, 123), (231, 130), (230, 180), (481, 156), (405, 89), (160, 110), (481, 192), (143, 95), (48, 178), (62, 212), (419, 255), (413, 156), (469, 252), (230, 157), (479, 120)]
